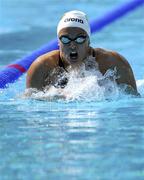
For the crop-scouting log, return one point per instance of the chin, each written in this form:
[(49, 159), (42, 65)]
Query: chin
[(73, 61)]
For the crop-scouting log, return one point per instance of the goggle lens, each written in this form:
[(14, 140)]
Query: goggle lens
[(67, 40)]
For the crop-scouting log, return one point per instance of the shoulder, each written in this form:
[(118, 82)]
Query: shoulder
[(50, 58), (44, 63), (40, 69), (109, 56)]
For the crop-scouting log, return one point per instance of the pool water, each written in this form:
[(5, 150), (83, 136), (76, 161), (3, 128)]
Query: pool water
[(91, 134)]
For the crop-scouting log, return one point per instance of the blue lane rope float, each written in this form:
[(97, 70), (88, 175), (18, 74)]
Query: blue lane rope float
[(13, 71)]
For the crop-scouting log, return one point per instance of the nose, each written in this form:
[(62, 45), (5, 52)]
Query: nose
[(73, 45)]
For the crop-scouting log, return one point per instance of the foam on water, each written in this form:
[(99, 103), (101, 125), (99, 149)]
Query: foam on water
[(83, 85), (67, 137), (140, 85)]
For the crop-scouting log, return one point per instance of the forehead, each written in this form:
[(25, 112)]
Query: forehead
[(72, 31)]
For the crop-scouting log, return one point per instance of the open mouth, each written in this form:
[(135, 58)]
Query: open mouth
[(73, 55)]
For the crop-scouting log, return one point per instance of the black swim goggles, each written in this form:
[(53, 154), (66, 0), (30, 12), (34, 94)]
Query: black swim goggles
[(67, 40)]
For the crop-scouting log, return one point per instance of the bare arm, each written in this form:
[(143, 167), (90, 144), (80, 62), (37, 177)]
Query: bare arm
[(35, 75), (112, 60), (40, 74), (125, 74)]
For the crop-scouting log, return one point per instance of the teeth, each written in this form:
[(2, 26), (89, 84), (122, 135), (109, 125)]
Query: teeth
[(73, 52)]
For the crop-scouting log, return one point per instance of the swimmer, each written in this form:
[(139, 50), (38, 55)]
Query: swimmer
[(73, 32)]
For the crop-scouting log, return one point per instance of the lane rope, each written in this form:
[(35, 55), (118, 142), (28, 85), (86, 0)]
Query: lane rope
[(12, 72)]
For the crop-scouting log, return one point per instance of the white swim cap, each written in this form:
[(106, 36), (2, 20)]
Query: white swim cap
[(74, 19)]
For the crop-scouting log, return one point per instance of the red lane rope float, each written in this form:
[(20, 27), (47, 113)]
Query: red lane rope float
[(17, 66)]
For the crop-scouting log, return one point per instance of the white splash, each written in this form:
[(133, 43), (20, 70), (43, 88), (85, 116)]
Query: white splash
[(83, 84), (140, 86)]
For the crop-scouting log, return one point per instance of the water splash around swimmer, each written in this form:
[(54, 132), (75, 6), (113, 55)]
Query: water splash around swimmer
[(85, 83)]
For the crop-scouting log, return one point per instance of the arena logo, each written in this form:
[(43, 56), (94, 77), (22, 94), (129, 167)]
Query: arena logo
[(74, 19)]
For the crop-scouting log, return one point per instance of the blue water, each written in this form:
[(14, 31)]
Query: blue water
[(89, 137)]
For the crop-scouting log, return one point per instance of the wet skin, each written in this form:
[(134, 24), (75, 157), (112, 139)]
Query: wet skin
[(73, 55)]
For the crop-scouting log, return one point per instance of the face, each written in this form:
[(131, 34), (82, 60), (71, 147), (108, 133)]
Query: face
[(74, 45)]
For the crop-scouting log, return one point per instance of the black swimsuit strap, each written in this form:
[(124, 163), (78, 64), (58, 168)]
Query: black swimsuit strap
[(93, 53), (62, 80), (61, 63)]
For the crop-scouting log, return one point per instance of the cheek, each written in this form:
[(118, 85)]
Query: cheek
[(83, 49), (62, 48), (63, 51)]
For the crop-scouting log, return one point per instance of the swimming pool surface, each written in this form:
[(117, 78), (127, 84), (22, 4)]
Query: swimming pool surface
[(88, 137)]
